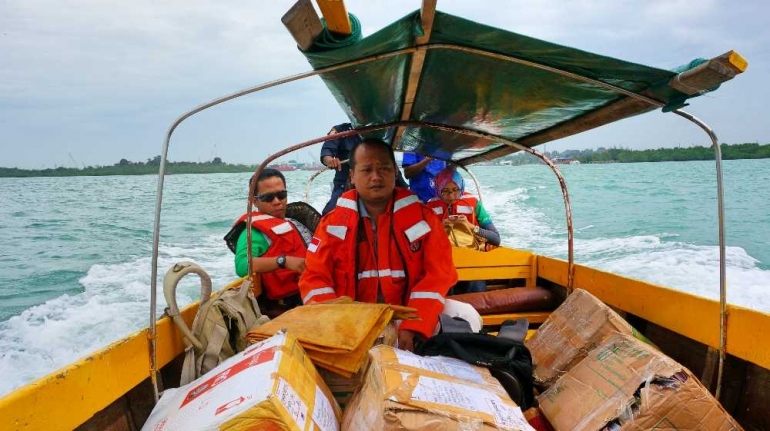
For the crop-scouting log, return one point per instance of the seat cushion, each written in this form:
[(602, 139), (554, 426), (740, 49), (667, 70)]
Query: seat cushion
[(513, 300)]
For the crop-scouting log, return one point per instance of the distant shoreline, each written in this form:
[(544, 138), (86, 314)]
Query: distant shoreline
[(591, 156)]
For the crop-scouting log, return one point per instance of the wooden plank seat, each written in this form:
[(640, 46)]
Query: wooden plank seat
[(500, 302), (499, 264)]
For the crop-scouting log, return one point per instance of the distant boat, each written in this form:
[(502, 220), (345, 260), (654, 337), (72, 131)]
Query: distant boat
[(283, 167), (311, 166), (566, 161)]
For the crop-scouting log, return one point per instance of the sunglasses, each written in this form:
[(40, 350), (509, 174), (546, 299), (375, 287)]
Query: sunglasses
[(268, 197)]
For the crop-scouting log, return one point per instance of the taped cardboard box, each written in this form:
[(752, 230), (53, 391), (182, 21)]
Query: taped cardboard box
[(406, 392), (272, 385), (343, 388), (625, 384), (569, 333)]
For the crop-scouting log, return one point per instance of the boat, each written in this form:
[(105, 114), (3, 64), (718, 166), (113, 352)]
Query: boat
[(725, 345), (283, 167), (315, 166)]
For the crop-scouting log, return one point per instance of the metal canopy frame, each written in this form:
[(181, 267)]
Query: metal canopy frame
[(326, 168), (655, 103)]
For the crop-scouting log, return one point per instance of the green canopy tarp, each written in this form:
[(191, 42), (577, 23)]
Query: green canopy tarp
[(477, 92)]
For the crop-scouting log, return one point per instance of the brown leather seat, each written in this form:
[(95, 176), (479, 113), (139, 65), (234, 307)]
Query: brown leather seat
[(513, 300)]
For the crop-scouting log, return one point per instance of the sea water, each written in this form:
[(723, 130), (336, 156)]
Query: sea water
[(75, 252)]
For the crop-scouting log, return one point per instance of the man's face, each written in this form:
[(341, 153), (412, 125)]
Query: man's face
[(272, 205), (374, 175)]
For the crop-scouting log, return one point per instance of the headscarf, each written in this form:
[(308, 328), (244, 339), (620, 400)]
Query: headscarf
[(446, 176)]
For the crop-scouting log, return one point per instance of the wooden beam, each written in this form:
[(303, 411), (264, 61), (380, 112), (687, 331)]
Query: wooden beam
[(336, 16), (709, 74), (701, 78), (532, 316), (303, 23), (427, 13)]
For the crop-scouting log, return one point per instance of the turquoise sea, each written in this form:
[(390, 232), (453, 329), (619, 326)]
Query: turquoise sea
[(75, 252)]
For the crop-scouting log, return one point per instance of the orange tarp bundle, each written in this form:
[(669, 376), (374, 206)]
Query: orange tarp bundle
[(336, 336)]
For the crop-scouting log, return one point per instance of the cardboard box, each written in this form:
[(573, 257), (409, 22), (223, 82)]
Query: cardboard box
[(406, 392), (343, 388), (632, 386), (272, 385), (569, 333)]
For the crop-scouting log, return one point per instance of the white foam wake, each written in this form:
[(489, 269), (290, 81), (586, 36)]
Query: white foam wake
[(115, 303)]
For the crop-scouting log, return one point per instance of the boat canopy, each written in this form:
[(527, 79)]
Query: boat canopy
[(487, 80)]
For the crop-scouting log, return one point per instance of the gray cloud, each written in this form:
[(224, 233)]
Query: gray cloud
[(104, 80)]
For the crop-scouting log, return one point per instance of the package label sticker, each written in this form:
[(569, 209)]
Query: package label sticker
[(441, 365), (470, 399), (323, 414), (292, 403)]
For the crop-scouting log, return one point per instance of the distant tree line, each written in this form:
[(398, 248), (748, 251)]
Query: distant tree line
[(625, 155), (599, 155), (125, 167)]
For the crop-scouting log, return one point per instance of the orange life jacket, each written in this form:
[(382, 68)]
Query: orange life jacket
[(284, 238), (466, 206), (349, 257)]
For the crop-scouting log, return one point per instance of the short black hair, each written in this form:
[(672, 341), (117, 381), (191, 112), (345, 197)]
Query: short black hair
[(374, 143), (265, 174)]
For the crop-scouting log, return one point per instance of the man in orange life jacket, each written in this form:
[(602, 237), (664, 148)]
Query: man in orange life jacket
[(380, 244), (278, 244)]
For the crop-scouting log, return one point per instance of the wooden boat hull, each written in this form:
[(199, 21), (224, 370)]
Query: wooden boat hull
[(110, 389)]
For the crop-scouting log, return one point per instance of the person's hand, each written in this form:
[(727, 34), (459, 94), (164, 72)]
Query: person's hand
[(332, 162), (464, 220), (296, 264), (407, 339)]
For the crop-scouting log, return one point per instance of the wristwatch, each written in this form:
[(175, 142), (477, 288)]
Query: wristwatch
[(476, 229), (281, 261)]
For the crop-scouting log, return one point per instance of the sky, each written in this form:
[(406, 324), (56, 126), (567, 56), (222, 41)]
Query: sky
[(87, 82)]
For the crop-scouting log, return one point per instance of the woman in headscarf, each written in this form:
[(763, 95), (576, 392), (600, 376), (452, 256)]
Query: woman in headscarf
[(454, 205)]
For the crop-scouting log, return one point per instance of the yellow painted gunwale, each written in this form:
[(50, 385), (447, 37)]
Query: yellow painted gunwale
[(68, 397)]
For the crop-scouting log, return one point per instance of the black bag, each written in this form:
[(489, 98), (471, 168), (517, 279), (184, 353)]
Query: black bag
[(507, 360)]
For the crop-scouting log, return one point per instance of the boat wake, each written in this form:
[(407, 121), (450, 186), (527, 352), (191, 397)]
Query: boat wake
[(659, 258), (114, 304)]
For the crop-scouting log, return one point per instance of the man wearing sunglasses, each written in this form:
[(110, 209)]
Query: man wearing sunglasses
[(278, 244)]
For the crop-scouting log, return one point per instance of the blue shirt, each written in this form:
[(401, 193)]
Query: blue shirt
[(421, 184), (340, 148)]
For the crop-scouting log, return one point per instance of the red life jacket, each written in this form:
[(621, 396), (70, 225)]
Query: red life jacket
[(466, 206), (284, 239), (388, 264)]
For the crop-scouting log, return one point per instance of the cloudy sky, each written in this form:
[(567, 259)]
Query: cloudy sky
[(87, 82)]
